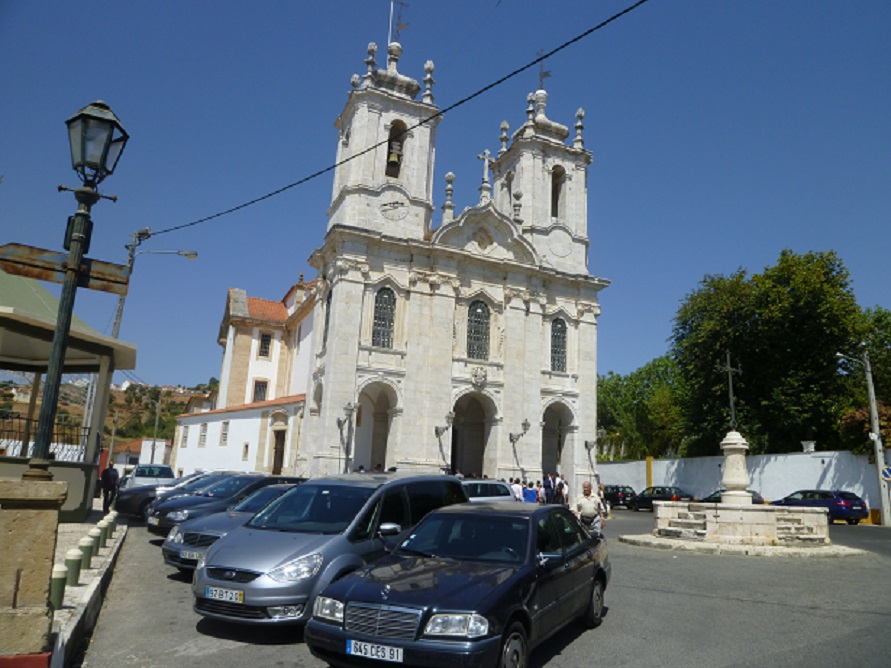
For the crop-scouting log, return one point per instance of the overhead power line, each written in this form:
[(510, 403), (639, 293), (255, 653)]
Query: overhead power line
[(542, 57)]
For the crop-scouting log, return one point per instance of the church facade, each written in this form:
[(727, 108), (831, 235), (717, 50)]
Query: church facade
[(470, 347)]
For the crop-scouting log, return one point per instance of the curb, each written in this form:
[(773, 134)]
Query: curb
[(659, 543), (70, 632)]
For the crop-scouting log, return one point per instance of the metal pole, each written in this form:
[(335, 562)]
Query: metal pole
[(155, 433), (86, 197), (876, 436), (138, 237)]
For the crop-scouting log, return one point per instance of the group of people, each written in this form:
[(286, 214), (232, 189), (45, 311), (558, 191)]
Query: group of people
[(589, 505)]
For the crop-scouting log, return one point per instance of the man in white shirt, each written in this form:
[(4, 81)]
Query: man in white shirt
[(517, 489)]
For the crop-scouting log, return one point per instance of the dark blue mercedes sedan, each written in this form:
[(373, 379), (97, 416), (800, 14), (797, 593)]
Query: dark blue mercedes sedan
[(473, 585)]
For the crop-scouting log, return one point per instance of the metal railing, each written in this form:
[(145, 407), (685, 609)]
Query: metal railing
[(17, 435)]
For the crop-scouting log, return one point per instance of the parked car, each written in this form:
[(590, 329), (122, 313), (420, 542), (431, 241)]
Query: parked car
[(164, 515), (486, 491), (841, 505), (473, 585), (187, 542), (135, 501), (618, 495), (270, 570), (149, 474), (715, 497), (645, 499)]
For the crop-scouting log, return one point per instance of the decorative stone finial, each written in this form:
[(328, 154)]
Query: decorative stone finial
[(355, 80), (370, 61), (485, 187), (428, 82), (448, 209), (541, 101), (518, 195), (530, 108), (578, 142), (394, 50), (505, 126)]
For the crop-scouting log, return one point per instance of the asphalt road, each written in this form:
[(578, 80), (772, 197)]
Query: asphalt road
[(664, 609)]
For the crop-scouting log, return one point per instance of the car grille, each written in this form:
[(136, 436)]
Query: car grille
[(382, 621), (230, 609), (231, 575), (200, 539)]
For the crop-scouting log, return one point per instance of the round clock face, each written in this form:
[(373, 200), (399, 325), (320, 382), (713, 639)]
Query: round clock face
[(560, 242), (394, 208)]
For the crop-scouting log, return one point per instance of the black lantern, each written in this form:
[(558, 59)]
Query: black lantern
[(97, 140)]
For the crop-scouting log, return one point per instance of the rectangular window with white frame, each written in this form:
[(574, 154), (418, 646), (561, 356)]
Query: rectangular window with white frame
[(202, 435), (224, 434), (265, 348), (184, 436), (260, 390)]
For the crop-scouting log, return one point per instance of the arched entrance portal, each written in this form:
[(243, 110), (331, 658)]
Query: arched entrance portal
[(373, 419), (557, 421), (471, 429)]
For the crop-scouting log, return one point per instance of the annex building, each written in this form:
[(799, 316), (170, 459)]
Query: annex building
[(467, 347)]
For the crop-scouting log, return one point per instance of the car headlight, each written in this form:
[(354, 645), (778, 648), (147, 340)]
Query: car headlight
[(298, 569), (202, 561), (328, 608), (178, 515), (466, 625), (174, 536)]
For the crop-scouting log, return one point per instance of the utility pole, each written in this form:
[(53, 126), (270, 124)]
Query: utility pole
[(155, 433), (875, 434)]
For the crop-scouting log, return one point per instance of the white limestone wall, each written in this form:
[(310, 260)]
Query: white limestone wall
[(774, 476), (302, 360)]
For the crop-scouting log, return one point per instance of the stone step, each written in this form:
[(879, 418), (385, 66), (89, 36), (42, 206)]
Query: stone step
[(803, 539), (795, 529), (687, 523), (692, 515), (682, 534)]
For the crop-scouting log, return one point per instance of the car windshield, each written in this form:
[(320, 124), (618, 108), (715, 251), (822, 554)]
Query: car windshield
[(254, 502), (848, 496), (321, 508), (469, 538), (227, 487), (201, 482)]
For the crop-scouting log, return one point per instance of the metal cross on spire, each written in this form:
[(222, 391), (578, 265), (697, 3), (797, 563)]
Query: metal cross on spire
[(393, 35), (542, 72), (730, 371)]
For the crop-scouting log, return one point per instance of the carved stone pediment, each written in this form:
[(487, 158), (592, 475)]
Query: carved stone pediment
[(485, 232)]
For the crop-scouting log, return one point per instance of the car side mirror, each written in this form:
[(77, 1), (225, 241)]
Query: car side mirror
[(389, 529)]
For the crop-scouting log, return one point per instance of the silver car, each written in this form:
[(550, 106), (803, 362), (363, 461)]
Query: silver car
[(270, 570), (488, 491)]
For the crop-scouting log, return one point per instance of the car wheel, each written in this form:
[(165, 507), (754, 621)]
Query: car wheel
[(853, 521), (514, 648), (594, 612), (634, 507), (142, 513)]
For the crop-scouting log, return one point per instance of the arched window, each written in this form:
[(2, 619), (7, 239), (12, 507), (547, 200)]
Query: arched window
[(395, 149), (384, 312), (558, 345), (478, 331), (327, 318), (558, 178)]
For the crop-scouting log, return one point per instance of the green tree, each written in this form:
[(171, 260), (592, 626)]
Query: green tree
[(783, 328)]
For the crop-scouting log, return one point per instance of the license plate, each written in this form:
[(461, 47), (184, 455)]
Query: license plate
[(227, 595), (187, 554), (372, 651), (858, 507), (154, 521)]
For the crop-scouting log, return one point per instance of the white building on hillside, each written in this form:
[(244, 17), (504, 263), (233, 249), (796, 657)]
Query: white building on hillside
[(469, 347)]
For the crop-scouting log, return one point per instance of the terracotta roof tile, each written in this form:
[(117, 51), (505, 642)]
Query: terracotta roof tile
[(293, 399), (264, 309)]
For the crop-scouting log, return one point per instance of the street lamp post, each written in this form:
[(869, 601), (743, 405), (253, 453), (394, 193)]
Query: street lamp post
[(875, 433), (97, 140)]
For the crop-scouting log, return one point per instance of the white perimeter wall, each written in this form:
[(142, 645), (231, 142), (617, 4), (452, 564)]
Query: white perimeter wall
[(775, 476)]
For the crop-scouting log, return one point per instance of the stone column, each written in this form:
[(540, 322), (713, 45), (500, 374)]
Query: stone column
[(29, 517), (736, 477)]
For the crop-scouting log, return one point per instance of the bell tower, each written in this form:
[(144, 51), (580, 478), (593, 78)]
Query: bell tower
[(384, 176), (543, 180)]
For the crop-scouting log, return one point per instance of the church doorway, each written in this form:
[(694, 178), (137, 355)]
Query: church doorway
[(557, 421), (372, 432), (471, 429)]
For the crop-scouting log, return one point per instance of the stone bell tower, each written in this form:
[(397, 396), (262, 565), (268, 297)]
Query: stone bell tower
[(543, 180), (385, 152)]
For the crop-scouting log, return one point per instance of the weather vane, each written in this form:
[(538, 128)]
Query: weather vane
[(730, 371), (393, 36), (542, 72)]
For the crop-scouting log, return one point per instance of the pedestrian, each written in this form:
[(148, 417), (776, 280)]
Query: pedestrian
[(589, 508), (607, 510), (558, 497), (529, 493), (516, 488), (548, 485), (109, 479), (539, 488), (566, 490)]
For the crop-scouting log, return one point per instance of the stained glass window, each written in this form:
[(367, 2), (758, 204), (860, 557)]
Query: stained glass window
[(478, 331), (384, 312), (558, 345)]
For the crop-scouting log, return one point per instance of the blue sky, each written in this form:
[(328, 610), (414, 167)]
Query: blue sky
[(722, 133)]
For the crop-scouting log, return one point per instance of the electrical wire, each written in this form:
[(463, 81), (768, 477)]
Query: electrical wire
[(451, 107)]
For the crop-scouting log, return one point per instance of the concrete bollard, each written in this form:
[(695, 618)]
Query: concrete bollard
[(73, 559), (112, 519), (85, 545), (95, 534), (57, 586), (102, 525)]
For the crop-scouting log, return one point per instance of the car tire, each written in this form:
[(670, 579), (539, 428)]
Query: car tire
[(142, 513), (593, 615), (853, 521), (514, 648), (634, 507)]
